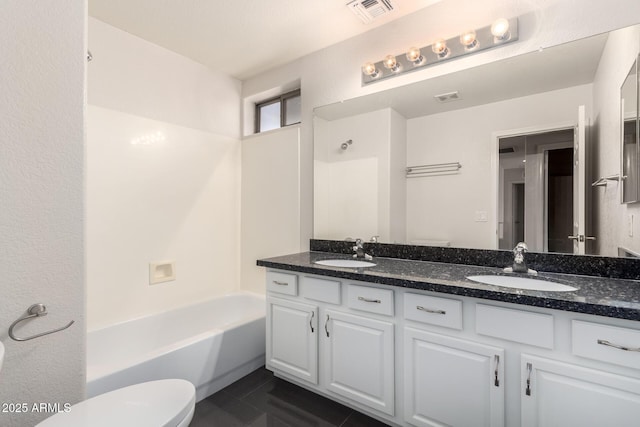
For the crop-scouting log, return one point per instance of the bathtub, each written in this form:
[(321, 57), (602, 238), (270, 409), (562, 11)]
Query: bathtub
[(211, 344)]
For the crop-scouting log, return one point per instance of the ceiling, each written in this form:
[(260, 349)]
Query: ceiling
[(242, 38)]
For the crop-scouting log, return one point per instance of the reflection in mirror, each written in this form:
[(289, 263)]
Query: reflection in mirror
[(536, 191), (630, 145), (489, 202)]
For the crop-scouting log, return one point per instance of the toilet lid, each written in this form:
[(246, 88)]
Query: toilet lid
[(153, 404)]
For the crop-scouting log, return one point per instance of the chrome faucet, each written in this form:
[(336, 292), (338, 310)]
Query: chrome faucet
[(359, 250), (519, 264)]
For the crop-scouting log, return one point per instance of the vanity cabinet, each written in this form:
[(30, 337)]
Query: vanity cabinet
[(567, 395), (419, 358), (441, 373)]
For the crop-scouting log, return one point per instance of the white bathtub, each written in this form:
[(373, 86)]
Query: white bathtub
[(211, 344)]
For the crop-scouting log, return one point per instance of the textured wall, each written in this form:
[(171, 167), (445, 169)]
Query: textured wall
[(42, 58)]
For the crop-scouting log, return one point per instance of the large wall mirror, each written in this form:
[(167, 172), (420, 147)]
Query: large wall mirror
[(630, 136), (520, 149)]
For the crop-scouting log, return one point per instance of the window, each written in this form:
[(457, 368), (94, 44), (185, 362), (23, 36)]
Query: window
[(281, 111)]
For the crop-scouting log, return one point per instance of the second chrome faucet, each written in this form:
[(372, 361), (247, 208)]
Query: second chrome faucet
[(519, 263)]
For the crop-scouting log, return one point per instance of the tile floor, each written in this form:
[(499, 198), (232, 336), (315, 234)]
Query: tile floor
[(260, 399)]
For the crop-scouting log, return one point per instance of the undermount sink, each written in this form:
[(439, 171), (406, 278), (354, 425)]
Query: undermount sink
[(522, 283), (350, 263), (1, 354)]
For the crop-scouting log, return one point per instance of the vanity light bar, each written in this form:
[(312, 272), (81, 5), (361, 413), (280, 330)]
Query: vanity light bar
[(501, 32)]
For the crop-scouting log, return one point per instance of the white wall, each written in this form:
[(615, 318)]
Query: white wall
[(174, 199), (270, 201), (43, 55), (333, 74), (444, 207), (612, 229)]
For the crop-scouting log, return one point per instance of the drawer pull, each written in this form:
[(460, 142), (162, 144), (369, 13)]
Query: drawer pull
[(280, 283), (620, 347), (377, 301), (428, 310)]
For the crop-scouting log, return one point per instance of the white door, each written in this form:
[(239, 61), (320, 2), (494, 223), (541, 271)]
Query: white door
[(292, 343), (359, 359), (555, 394), (579, 183), (452, 382)]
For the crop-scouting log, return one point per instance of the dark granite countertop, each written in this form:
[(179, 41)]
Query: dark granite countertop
[(618, 298)]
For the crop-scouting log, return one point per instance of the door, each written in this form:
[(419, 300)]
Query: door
[(452, 382), (555, 394), (292, 343), (579, 183), (359, 359)]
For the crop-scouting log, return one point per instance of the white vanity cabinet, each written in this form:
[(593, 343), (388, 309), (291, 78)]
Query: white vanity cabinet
[(566, 395), (452, 382), (419, 358)]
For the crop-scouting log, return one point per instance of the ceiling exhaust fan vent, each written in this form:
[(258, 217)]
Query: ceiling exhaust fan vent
[(448, 97), (368, 10)]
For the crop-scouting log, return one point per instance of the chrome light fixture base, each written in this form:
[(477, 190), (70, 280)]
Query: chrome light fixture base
[(485, 40)]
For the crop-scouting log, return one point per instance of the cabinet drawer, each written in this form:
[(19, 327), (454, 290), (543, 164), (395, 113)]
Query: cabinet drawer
[(320, 289), (611, 344), (515, 325), (373, 300), (433, 310), (282, 283)]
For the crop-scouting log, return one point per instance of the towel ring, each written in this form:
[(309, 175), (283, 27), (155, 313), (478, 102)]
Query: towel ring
[(36, 310)]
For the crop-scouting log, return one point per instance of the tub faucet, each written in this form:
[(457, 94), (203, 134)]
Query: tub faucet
[(519, 264), (359, 250)]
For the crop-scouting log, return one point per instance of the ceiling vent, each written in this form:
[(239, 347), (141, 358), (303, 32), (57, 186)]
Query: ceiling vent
[(368, 10), (448, 97)]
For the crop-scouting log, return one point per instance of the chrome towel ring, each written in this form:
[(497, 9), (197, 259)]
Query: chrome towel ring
[(36, 310)]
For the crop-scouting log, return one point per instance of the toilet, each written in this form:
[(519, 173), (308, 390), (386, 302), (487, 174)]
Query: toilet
[(162, 403)]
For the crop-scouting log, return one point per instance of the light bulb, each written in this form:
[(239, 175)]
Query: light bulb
[(414, 55), (370, 69), (391, 63), (468, 39), (440, 48), (500, 29)]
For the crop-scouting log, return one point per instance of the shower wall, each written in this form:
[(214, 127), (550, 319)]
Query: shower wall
[(162, 179)]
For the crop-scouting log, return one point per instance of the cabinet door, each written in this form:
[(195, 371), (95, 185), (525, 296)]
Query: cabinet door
[(359, 359), (452, 382), (563, 395), (292, 343)]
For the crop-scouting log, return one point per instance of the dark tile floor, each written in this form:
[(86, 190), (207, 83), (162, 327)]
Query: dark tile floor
[(260, 399)]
